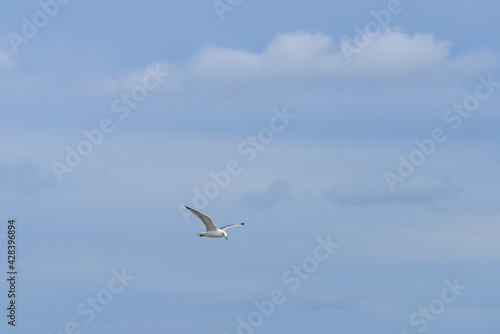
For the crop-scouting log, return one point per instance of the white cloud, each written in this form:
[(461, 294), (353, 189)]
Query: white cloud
[(299, 57), (398, 75), (302, 53), (287, 54), (395, 51)]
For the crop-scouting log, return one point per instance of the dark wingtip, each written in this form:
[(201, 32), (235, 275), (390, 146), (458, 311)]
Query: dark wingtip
[(187, 207), (242, 224)]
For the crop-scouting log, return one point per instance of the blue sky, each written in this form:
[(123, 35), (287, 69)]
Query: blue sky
[(371, 126)]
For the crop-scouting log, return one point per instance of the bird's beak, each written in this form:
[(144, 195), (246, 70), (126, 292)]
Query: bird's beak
[(226, 238)]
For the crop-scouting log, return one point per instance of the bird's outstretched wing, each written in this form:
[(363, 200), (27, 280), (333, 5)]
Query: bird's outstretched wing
[(228, 226), (204, 218)]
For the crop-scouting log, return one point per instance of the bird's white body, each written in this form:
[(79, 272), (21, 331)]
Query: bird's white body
[(213, 234), (212, 231)]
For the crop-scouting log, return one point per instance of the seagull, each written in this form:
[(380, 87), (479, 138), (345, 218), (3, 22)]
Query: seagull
[(212, 231)]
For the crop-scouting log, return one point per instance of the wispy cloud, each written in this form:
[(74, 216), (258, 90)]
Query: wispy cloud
[(339, 304), (24, 176), (125, 81), (419, 190), (277, 190), (6, 60)]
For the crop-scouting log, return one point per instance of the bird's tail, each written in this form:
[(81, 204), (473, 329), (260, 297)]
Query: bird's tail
[(200, 234)]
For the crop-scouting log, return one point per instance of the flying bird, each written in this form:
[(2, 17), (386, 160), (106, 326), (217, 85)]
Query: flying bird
[(212, 231)]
